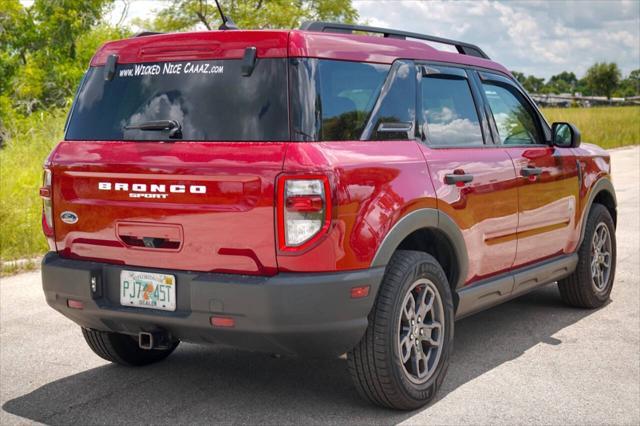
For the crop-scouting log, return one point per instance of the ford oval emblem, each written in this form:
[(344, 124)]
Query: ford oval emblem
[(69, 217)]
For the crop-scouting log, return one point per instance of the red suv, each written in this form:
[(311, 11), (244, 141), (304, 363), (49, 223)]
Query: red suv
[(335, 189)]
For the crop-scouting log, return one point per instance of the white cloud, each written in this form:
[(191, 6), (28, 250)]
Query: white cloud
[(536, 37)]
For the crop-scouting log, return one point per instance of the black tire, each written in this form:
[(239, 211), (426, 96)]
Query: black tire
[(579, 288), (375, 364), (123, 349)]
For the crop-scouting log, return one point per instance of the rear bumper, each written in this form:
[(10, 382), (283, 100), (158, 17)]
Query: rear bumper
[(289, 313)]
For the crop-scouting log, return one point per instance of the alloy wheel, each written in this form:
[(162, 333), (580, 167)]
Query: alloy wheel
[(421, 331), (600, 257)]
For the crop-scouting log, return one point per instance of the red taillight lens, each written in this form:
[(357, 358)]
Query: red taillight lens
[(305, 203), (47, 210), (304, 210)]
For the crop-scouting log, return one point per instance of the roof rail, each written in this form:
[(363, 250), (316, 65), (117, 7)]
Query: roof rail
[(145, 33), (331, 27)]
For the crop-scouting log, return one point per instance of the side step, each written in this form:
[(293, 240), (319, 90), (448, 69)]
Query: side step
[(484, 294)]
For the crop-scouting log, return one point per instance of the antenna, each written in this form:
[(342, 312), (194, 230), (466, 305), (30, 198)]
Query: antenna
[(227, 23)]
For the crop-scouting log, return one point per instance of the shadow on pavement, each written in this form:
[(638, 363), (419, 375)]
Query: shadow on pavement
[(200, 384)]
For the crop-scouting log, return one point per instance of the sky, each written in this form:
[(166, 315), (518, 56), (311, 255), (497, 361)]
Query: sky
[(536, 37)]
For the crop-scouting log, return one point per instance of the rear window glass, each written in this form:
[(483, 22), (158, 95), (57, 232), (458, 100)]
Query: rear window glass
[(211, 100), (332, 100), (396, 109)]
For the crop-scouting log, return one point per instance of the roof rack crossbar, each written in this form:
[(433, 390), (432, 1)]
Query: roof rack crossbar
[(461, 47)]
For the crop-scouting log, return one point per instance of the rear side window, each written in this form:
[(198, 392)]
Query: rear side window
[(332, 100), (395, 112), (516, 125), (211, 100), (449, 113)]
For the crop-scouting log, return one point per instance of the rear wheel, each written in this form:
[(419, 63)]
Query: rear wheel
[(403, 357), (590, 284), (123, 349)]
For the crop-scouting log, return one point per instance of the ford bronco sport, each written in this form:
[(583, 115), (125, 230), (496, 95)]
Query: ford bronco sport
[(335, 189)]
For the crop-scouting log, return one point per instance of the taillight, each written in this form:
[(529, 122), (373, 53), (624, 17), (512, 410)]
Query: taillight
[(47, 211), (304, 210)]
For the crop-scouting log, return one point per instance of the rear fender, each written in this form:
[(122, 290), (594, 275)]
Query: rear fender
[(419, 219)]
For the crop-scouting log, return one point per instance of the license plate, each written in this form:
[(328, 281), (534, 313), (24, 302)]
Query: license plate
[(148, 290)]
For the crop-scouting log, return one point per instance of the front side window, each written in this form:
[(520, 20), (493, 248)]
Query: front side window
[(516, 125), (448, 112), (208, 100)]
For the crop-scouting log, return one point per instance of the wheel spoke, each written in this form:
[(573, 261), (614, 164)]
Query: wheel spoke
[(428, 333), (419, 363), (424, 305), (406, 345), (602, 238), (409, 310), (597, 279)]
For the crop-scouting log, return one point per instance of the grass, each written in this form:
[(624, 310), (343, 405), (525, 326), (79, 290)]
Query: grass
[(609, 127), (31, 139)]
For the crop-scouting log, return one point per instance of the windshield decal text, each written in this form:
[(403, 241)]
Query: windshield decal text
[(140, 70)]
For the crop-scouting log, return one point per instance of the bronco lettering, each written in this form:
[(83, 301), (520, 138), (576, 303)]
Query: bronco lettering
[(155, 188)]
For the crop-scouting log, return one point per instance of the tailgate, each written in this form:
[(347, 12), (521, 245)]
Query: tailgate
[(199, 206)]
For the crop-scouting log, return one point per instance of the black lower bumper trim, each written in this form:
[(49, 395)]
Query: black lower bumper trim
[(289, 313)]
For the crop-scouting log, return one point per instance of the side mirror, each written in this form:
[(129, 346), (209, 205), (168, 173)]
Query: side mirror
[(565, 135)]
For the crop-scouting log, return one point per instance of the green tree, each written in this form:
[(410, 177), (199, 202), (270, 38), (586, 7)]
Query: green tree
[(531, 83), (519, 76), (45, 48), (634, 78), (182, 15), (603, 78), (565, 82), (629, 86)]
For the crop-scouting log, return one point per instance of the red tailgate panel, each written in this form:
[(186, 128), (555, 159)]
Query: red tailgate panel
[(202, 206)]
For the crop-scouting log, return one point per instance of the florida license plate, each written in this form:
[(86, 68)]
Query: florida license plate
[(148, 290)]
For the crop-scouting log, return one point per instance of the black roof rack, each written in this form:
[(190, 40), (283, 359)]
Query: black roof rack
[(330, 27)]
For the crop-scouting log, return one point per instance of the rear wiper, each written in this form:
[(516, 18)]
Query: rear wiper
[(173, 126)]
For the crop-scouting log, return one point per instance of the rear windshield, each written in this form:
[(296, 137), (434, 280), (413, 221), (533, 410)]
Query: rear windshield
[(210, 100)]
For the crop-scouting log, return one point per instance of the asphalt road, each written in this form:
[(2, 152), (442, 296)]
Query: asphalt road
[(532, 360)]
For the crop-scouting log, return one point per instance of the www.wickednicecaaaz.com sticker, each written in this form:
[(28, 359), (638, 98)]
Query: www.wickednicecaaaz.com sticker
[(140, 70)]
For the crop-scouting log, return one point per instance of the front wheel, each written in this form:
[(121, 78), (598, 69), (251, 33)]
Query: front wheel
[(403, 357), (590, 284)]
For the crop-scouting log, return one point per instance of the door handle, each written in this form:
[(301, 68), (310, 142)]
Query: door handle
[(457, 179), (530, 171)]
